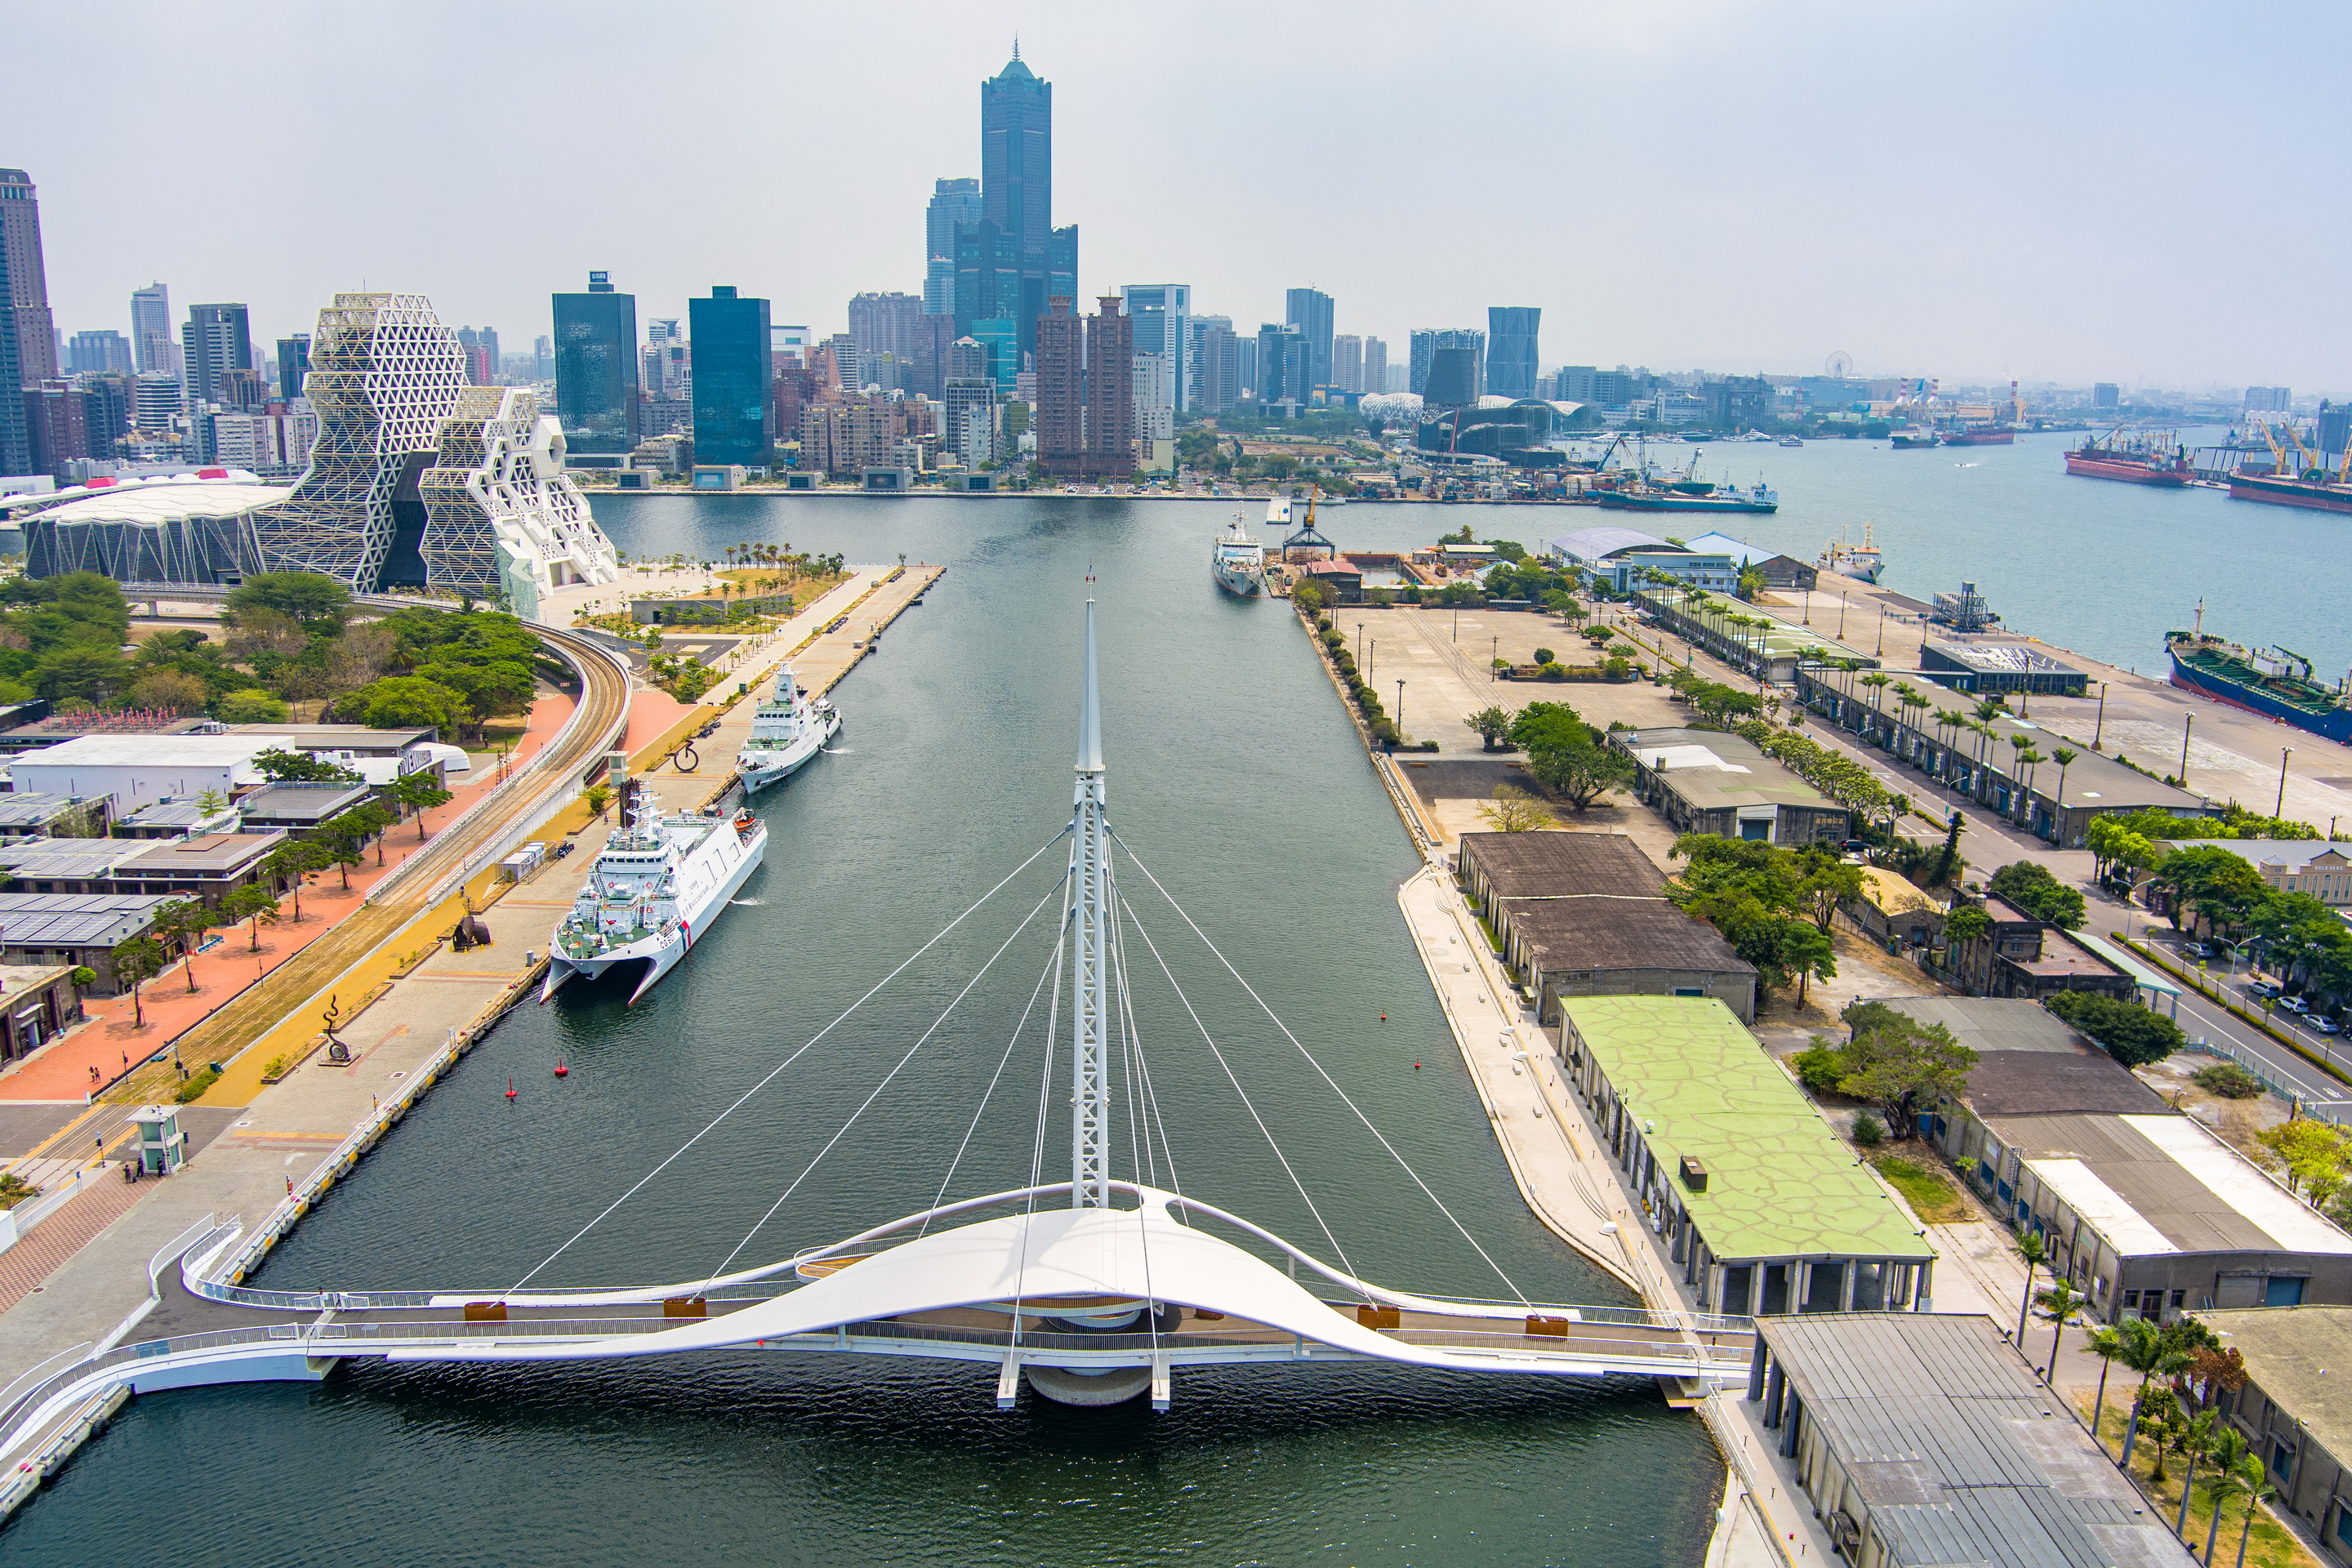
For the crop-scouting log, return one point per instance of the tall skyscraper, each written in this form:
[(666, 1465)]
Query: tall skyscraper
[(151, 330), (1110, 392), (886, 323), (99, 353), (1511, 348), (1427, 340), (213, 339), (596, 367), (1285, 366), (734, 419), (1376, 365), (1158, 311), (953, 202), (480, 346), (293, 364), (1347, 363), (16, 436), (1016, 187), (1212, 365), (1061, 389), (28, 287), (1309, 310)]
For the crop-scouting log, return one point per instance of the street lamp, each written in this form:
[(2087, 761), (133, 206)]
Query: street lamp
[(2280, 809), (1400, 721), (1495, 657), (2100, 728)]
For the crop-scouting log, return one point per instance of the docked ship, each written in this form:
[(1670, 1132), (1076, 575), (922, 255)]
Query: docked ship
[(2134, 459), (656, 887), (2275, 682), (1758, 497), (1915, 438), (1982, 435), (2317, 489), (789, 728), (1238, 561), (1863, 561)]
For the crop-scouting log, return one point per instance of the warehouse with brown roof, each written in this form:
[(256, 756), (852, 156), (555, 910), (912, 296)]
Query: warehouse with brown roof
[(1585, 914)]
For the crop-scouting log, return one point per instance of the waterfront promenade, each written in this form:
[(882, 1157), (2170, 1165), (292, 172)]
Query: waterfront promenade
[(72, 1282)]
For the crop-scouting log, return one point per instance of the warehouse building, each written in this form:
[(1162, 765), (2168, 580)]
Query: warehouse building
[(1764, 1208), (1585, 914), (2294, 1412), (47, 930), (1923, 1439), (1709, 781)]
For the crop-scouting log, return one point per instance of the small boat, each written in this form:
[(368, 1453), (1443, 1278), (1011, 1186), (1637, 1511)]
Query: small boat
[(1792, 440), (1237, 560), (788, 730), (655, 888)]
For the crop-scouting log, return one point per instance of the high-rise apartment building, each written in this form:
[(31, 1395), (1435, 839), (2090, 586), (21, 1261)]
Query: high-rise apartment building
[(28, 286), (2259, 399), (1109, 392), (155, 402), (1511, 348), (1061, 389), (953, 202), (2105, 395), (244, 391), (1376, 366), (293, 364), (543, 353), (55, 421), (1212, 365), (668, 368), (1309, 310), (1426, 340), (885, 324), (1158, 313), (151, 330), (214, 339), (99, 353), (935, 339), (480, 346), (106, 409), (1347, 363), (970, 426), (734, 421), (596, 367)]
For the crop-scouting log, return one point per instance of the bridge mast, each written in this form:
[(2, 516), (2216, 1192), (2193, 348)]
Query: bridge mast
[(1090, 941)]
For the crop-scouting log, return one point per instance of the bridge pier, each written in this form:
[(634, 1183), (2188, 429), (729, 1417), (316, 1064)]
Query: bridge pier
[(1091, 1391)]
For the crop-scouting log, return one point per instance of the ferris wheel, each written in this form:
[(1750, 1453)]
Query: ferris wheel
[(1839, 364)]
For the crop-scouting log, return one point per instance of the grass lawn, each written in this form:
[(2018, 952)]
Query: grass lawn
[(1934, 1199), (2272, 1545)]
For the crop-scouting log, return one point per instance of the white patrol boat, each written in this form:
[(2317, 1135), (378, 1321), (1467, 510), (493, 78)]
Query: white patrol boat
[(789, 728), (657, 886), (1238, 561)]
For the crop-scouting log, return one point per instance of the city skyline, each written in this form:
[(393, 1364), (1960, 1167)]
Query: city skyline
[(1700, 185)]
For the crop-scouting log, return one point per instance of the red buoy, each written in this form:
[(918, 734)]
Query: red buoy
[(511, 1087), (1384, 1017), (1416, 1066), (560, 1068)]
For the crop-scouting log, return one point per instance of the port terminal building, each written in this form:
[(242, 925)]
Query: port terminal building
[(1762, 1206), (1982, 670), (1748, 638), (2145, 1211)]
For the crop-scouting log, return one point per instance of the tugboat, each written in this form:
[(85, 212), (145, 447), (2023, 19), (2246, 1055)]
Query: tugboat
[(788, 730), (655, 887), (1237, 562)]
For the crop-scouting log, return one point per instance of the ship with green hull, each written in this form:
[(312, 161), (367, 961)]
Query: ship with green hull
[(2275, 682)]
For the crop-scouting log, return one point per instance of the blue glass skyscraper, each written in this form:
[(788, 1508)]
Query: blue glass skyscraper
[(1511, 348), (733, 404), (1038, 262), (596, 367)]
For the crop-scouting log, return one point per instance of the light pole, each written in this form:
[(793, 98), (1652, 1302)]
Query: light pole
[(2100, 728), (2186, 720), (1359, 642), (2280, 809), (1494, 657), (1400, 711)]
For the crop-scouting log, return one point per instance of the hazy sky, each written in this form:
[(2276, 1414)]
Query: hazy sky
[(2148, 193)]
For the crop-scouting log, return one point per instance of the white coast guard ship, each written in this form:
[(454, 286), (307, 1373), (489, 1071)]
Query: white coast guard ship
[(1238, 561), (789, 728), (656, 887)]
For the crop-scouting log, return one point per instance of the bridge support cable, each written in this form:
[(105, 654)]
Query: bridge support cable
[(772, 1074), (1247, 1104), (888, 1079), (1044, 974), (1142, 1067), (1275, 1018)]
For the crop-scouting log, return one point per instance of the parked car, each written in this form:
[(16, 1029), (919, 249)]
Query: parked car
[(2196, 950), (2324, 1026), (2261, 988), (2293, 1004)]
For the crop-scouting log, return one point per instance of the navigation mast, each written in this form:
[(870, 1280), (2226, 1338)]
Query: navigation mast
[(1089, 944)]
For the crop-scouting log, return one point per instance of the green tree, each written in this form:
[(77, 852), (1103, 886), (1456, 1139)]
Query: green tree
[(1904, 1066), (80, 671), (1809, 954), (2311, 1154), (289, 863), (2131, 1034), (306, 597), (419, 792), (2193, 1439), (136, 962), (490, 688), (345, 836), (2058, 1303), (1581, 774), (2218, 885), (1967, 923), (2035, 1252), (1514, 811), (250, 705), (2031, 888), (2147, 1351), (183, 924), (2228, 1453), (252, 904), (1828, 881), (2107, 1344), (1492, 724), (403, 702), (599, 798), (281, 765)]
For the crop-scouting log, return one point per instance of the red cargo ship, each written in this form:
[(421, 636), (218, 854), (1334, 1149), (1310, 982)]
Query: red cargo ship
[(2136, 460), (2316, 490)]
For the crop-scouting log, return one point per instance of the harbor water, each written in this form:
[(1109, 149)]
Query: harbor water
[(1236, 778)]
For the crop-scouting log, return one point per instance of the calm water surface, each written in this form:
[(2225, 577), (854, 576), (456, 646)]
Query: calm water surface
[(1236, 778)]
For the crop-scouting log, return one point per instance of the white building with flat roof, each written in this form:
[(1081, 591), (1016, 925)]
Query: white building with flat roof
[(140, 769)]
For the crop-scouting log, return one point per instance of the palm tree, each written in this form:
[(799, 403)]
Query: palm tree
[(2193, 1439), (2036, 1252), (2107, 1344), (2228, 1452), (2065, 757), (2058, 1303), (2147, 1354), (2247, 1481)]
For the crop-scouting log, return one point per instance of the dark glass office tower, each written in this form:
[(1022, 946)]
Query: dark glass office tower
[(1016, 185), (213, 341), (1309, 310), (596, 367), (1511, 348), (728, 336), (293, 364)]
